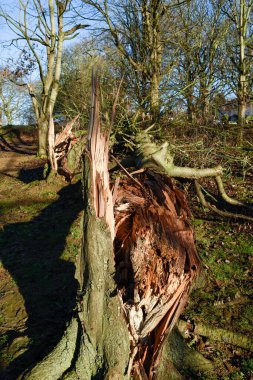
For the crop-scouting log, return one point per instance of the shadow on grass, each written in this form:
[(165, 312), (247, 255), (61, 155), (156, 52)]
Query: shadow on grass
[(31, 253), (11, 146), (28, 175)]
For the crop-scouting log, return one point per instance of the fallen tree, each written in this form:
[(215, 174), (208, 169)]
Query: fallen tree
[(135, 270)]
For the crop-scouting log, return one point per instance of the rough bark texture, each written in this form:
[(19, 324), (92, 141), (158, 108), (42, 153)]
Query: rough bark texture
[(96, 343), (243, 26), (42, 137), (104, 348)]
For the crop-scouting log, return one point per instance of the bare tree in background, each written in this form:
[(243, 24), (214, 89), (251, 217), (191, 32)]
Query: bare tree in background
[(43, 26), (240, 12), (137, 31), (201, 29), (13, 100)]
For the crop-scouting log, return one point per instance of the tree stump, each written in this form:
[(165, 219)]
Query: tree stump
[(137, 264)]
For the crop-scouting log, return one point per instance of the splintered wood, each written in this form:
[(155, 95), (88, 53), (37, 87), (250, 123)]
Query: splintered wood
[(97, 150), (155, 256), (60, 148), (156, 262)]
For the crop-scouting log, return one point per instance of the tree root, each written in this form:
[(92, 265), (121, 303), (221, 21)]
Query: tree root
[(178, 361), (224, 196), (220, 335), (225, 214), (59, 360)]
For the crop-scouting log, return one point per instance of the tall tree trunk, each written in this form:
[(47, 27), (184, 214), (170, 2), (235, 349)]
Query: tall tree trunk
[(1, 98), (189, 91), (44, 105), (190, 106), (96, 342), (153, 46), (242, 81), (155, 96), (242, 103), (43, 125), (204, 103)]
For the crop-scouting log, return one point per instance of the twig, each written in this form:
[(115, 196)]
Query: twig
[(130, 176), (224, 196), (206, 204)]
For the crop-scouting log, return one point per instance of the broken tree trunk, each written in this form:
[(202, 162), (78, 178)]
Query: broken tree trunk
[(96, 343), (65, 150), (156, 262), (135, 270)]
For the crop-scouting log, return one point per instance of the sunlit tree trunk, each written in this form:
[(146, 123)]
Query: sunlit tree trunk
[(240, 14), (242, 83), (204, 102)]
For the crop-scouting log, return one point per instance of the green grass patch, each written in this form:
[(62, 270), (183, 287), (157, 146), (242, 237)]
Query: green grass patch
[(224, 298)]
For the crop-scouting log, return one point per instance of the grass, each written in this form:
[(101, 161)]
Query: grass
[(224, 295)]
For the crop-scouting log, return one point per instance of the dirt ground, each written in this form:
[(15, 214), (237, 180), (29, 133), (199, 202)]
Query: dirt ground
[(40, 238)]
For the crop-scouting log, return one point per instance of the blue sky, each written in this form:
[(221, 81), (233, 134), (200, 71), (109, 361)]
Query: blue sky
[(6, 50)]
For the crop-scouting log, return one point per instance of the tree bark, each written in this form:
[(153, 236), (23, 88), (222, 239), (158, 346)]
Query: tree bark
[(241, 112), (220, 335), (155, 96), (204, 102), (96, 342), (190, 105), (243, 77), (1, 97), (43, 125)]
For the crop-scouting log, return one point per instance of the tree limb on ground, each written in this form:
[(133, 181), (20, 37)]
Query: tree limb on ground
[(218, 334), (225, 214)]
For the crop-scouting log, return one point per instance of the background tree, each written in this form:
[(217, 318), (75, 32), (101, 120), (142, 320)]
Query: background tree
[(14, 100), (43, 29), (74, 85), (239, 13), (201, 30), (137, 31)]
